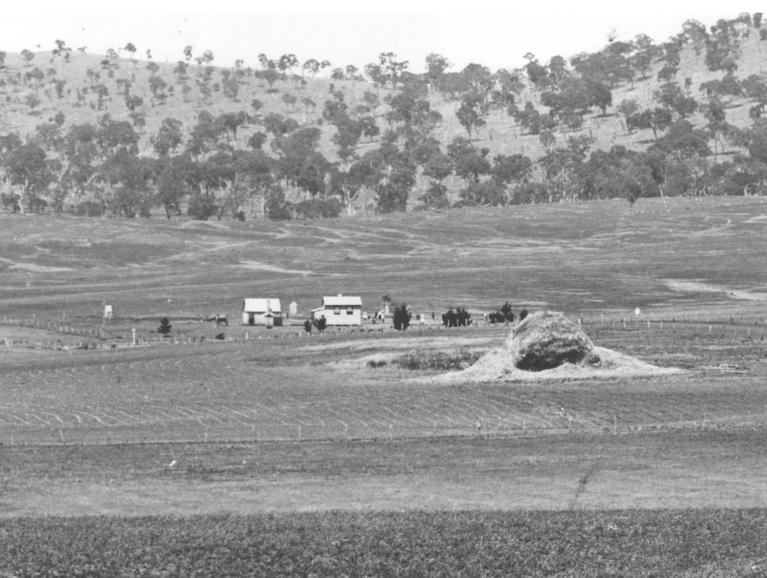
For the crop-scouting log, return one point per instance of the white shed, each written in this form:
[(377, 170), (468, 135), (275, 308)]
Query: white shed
[(340, 310), (262, 311)]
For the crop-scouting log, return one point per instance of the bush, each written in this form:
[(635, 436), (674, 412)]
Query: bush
[(88, 209), (308, 326), (202, 207), (318, 209), (458, 318), (10, 202), (402, 317), (439, 360), (320, 323), (503, 314), (165, 327)]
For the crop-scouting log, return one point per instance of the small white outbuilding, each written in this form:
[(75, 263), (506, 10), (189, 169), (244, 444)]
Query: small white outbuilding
[(262, 311), (340, 310)]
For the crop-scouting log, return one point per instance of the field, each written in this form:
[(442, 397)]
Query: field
[(266, 439)]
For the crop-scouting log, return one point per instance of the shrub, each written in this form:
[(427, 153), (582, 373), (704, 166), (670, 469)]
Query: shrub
[(165, 327), (320, 323), (202, 207), (402, 317), (308, 326), (439, 360), (503, 314), (458, 318), (522, 314)]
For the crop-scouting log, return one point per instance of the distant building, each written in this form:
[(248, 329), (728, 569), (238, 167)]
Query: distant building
[(264, 311), (292, 309), (340, 310)]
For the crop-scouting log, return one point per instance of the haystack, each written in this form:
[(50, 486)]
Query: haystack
[(546, 340), (546, 346)]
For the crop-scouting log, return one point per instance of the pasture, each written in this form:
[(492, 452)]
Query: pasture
[(274, 422)]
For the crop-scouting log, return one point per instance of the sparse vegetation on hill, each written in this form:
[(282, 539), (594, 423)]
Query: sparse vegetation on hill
[(115, 135)]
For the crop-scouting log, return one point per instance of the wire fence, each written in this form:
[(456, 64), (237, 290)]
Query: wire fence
[(79, 336), (73, 436)]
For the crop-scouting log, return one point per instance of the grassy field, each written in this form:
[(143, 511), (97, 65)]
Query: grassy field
[(267, 424), (624, 543), (586, 257)]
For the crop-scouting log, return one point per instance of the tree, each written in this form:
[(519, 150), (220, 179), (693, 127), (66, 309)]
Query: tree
[(257, 140), (28, 168), (125, 181), (437, 166), (352, 72), (165, 327), (469, 161), (402, 317), (169, 136), (512, 168), (174, 178), (28, 56), (312, 66), (471, 112), (392, 69), (645, 53), (287, 62), (320, 323), (436, 65), (504, 314)]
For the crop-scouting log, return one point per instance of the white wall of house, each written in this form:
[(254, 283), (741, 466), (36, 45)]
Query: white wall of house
[(258, 311), (340, 311)]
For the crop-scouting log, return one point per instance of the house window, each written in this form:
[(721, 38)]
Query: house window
[(337, 311), (350, 312)]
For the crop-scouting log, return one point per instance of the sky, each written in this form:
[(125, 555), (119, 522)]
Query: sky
[(495, 34)]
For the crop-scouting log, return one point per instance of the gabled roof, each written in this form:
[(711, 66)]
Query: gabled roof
[(342, 301), (250, 305)]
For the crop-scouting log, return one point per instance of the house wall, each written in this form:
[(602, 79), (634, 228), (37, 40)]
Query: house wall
[(260, 319), (339, 316)]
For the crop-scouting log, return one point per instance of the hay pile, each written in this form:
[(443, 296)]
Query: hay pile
[(546, 340), (548, 346)]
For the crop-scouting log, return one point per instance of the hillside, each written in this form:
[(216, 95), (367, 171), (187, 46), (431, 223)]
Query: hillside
[(531, 133)]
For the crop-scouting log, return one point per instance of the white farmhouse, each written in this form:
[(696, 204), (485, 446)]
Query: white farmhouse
[(340, 310), (266, 311)]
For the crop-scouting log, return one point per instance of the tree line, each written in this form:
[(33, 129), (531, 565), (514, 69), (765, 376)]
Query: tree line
[(210, 170)]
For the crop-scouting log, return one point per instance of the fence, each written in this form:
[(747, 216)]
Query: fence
[(297, 432), (97, 337)]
